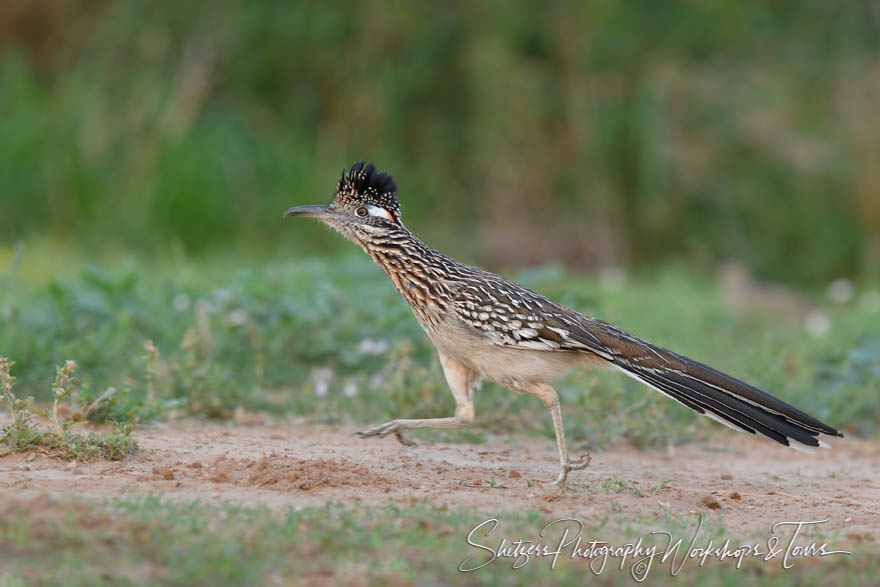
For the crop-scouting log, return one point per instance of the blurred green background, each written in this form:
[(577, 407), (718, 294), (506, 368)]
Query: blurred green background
[(590, 134), (611, 155)]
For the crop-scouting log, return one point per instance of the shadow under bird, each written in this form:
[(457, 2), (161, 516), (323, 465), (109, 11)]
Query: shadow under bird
[(486, 326)]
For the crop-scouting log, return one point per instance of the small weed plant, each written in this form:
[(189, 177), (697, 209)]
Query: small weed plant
[(60, 439)]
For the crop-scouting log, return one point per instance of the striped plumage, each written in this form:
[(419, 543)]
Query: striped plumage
[(487, 326)]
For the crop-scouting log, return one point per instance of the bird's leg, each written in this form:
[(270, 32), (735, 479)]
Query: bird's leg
[(461, 380), (398, 426), (548, 395)]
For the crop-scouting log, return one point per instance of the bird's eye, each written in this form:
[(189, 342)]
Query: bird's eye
[(362, 212)]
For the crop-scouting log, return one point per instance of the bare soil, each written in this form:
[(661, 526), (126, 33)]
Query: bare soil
[(746, 482)]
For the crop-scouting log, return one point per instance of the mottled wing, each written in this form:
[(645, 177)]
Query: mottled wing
[(515, 317)]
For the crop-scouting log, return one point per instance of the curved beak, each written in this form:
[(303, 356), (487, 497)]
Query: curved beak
[(307, 211)]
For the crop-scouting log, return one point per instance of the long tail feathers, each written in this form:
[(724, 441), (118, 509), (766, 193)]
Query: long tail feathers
[(721, 397)]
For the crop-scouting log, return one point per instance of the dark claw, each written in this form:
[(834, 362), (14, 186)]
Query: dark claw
[(384, 430), (581, 463), (403, 439)]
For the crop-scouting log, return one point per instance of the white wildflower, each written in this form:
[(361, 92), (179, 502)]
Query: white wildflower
[(841, 291), (180, 302), (321, 381), (350, 389), (205, 307), (237, 317), (368, 346), (817, 324)]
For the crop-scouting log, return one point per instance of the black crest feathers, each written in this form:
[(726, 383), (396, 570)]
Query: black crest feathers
[(364, 184), (366, 179)]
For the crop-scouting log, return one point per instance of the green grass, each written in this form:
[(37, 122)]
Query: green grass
[(150, 541), (663, 132), (332, 340)]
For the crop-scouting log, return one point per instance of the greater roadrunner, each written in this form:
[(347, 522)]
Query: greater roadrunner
[(486, 326)]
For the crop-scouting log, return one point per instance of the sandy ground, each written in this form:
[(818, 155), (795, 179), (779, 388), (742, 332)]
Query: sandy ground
[(746, 482)]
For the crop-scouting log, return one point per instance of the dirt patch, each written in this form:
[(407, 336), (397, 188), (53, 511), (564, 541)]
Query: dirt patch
[(747, 483), (284, 474)]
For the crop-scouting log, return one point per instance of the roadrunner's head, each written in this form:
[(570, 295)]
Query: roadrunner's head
[(364, 207)]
